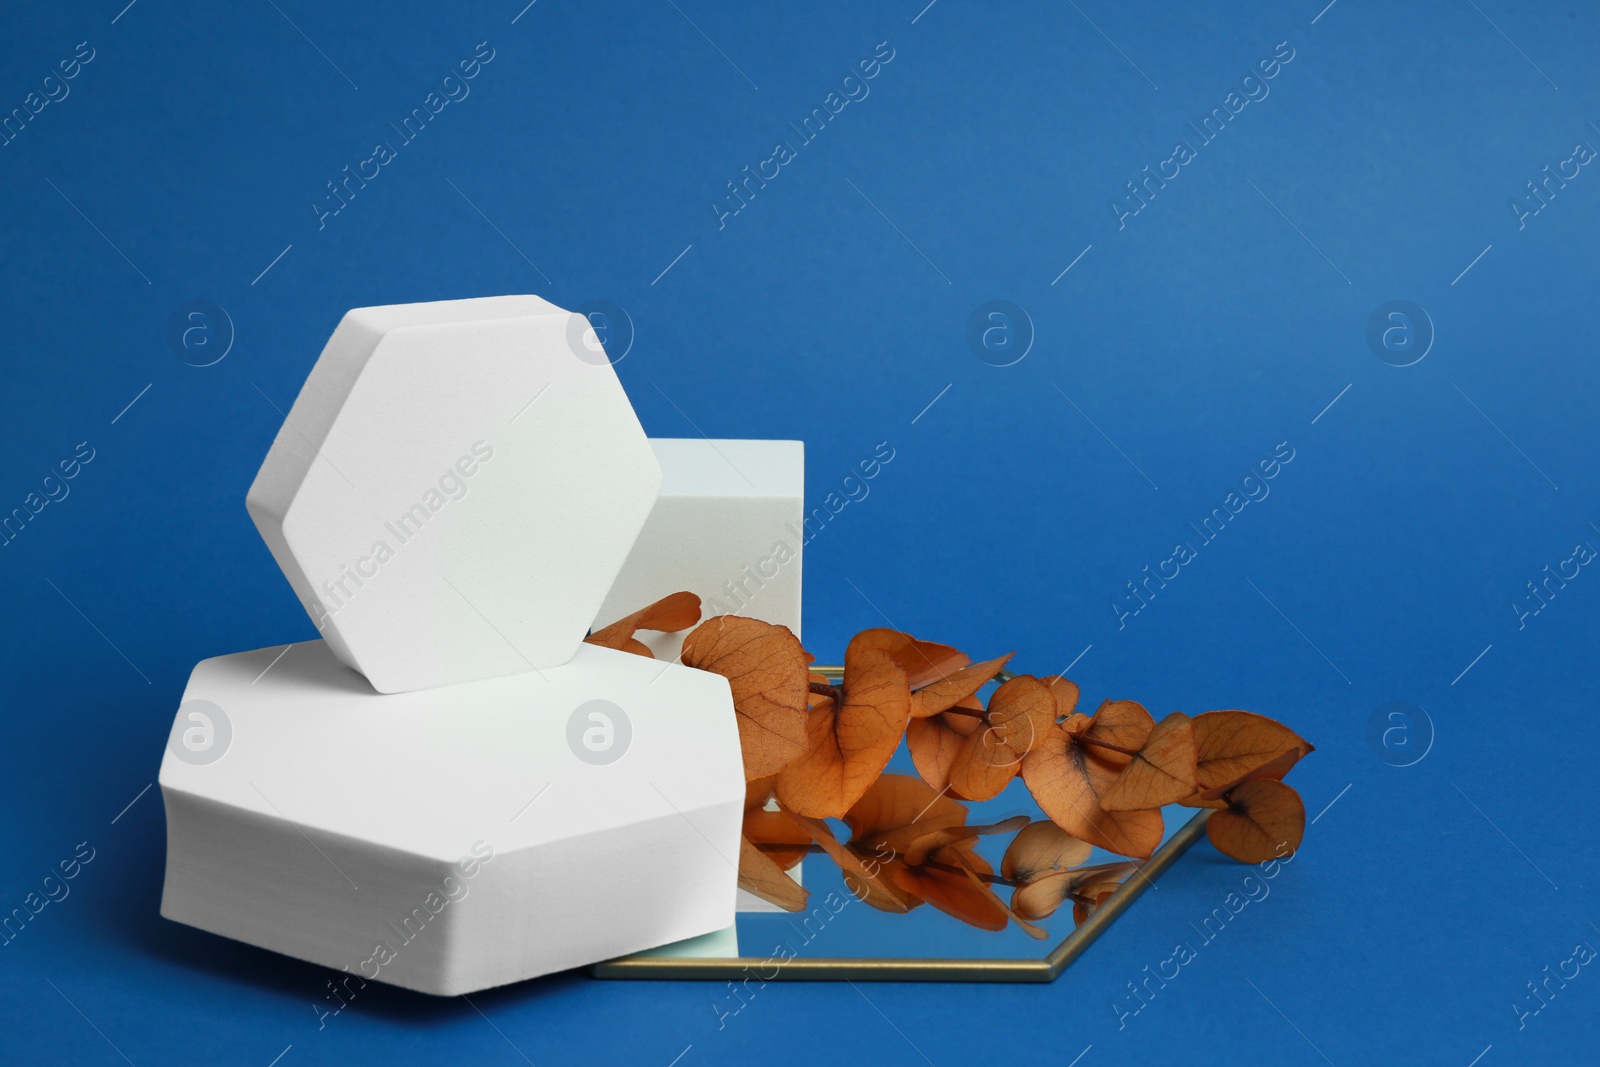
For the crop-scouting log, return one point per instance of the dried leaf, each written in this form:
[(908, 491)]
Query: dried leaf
[(918, 847), (869, 876), (1107, 878), (758, 792), (1042, 846), (922, 845), (761, 875), (1274, 768), (1263, 817), (770, 828), (1067, 778), (766, 669), (772, 844), (936, 742), (850, 740), (1065, 692), (1121, 724), (1162, 773), (949, 691), (1095, 893), (961, 892), (909, 844), (898, 811), (778, 836), (679, 611), (924, 662), (1040, 898), (1230, 745), (1021, 712)]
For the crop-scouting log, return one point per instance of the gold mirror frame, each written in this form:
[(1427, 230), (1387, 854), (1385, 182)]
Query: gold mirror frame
[(919, 970), (886, 969)]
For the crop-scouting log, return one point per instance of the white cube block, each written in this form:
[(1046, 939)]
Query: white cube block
[(728, 526), (455, 839), (455, 489)]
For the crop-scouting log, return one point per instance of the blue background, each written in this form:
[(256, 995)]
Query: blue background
[(1179, 350)]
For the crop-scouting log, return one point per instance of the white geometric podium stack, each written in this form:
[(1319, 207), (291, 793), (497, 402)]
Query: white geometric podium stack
[(489, 799)]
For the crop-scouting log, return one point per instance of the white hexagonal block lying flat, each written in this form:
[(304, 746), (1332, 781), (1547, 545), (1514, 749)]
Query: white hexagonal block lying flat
[(455, 489), (451, 840)]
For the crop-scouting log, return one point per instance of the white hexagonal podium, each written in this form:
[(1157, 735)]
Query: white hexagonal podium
[(454, 839), (455, 489)]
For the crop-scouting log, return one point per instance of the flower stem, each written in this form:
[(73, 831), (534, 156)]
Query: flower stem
[(1097, 743), (950, 868), (968, 712), (778, 846)]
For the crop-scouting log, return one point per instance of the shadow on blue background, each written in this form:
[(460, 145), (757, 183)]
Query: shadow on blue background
[(1172, 350)]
